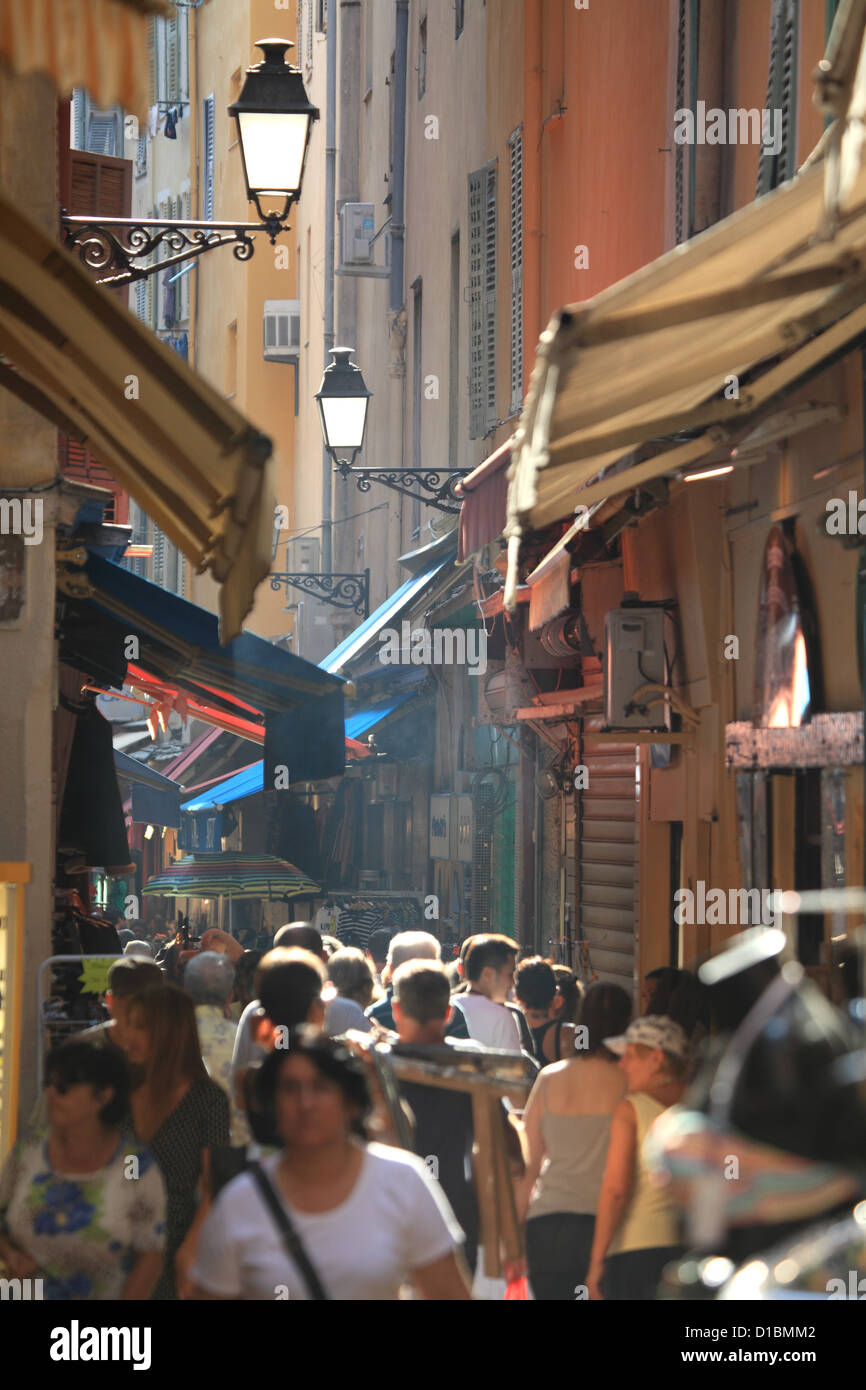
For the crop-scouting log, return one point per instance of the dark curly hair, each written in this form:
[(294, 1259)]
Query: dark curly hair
[(79, 1063), (331, 1059)]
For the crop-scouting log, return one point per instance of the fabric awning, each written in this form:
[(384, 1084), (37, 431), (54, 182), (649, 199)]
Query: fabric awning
[(251, 780), (673, 366), (199, 470), (249, 686), (485, 499), (95, 44), (134, 771), (396, 604)]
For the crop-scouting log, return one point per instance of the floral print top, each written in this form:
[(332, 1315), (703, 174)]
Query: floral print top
[(84, 1232)]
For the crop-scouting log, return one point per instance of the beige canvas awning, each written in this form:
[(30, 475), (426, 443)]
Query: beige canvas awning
[(100, 45), (681, 359), (195, 466)]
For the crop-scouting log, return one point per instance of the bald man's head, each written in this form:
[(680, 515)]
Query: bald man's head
[(302, 934)]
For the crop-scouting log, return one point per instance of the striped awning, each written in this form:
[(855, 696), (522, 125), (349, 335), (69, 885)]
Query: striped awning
[(100, 45), (231, 875)]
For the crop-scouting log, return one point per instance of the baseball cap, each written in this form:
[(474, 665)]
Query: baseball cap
[(652, 1031)]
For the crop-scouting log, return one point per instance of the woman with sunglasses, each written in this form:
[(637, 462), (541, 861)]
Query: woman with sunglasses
[(180, 1112), (328, 1215), (81, 1206)]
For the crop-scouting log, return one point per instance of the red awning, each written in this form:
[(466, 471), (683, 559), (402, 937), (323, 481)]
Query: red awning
[(485, 496)]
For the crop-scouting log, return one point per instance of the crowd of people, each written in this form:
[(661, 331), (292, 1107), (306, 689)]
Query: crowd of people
[(221, 1135)]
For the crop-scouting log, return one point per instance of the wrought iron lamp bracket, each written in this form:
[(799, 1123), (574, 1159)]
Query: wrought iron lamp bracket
[(412, 482), (115, 246), (347, 591)]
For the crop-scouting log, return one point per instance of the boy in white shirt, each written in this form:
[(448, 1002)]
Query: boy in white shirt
[(489, 968)]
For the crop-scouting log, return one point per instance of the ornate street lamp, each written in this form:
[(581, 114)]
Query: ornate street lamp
[(274, 117), (343, 399)]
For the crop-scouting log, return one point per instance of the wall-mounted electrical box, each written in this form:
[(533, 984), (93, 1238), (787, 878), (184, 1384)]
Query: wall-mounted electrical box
[(357, 228), (634, 655)]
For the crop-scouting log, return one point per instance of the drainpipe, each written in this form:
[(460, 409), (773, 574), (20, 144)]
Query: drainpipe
[(330, 194), (398, 230), (348, 191), (533, 76), (397, 307)]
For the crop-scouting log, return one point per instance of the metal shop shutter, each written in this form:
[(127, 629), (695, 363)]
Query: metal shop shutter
[(607, 859)]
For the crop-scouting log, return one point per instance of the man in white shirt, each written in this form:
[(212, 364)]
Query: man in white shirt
[(489, 968)]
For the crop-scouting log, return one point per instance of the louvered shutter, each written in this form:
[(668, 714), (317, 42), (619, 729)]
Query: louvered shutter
[(774, 169), (172, 65), (607, 861), (141, 300), (308, 32), (515, 153), (209, 114), (101, 132), (490, 295), (158, 556), (153, 88), (99, 184), (183, 284), (477, 339), (79, 118)]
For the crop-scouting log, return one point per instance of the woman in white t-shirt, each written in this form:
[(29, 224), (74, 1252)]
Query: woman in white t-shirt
[(369, 1218)]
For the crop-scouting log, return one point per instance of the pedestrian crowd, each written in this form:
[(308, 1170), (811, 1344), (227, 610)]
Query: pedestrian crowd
[(223, 1135)]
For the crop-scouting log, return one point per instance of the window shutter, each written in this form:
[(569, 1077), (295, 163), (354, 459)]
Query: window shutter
[(209, 114), (151, 62), (490, 295), (477, 342), (172, 65), (774, 169), (79, 118), (101, 130), (99, 184), (141, 299), (515, 151), (158, 556), (183, 284), (308, 32)]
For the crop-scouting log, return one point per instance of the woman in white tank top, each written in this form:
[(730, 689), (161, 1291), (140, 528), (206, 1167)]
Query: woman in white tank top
[(636, 1228)]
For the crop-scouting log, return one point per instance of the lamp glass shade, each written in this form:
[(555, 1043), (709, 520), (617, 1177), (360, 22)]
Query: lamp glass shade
[(343, 421), (274, 144)]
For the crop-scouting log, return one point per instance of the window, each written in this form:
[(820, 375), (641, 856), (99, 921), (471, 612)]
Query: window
[(774, 167), (515, 161), (454, 356), (159, 544), (482, 301), (141, 157), (321, 16), (459, 17), (422, 57), (209, 113)]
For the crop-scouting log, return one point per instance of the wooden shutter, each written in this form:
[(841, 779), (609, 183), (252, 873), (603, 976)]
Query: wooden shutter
[(477, 340), (774, 169), (172, 59), (209, 115), (99, 184), (158, 556), (515, 152), (490, 296), (607, 859)]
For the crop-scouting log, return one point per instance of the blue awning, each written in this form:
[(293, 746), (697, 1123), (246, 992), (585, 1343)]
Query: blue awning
[(252, 779), (248, 686), (393, 606)]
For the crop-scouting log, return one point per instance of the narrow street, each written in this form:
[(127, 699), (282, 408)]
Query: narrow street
[(432, 628)]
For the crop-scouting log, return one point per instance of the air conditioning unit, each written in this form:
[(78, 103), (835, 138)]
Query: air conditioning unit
[(357, 228), (634, 656), (282, 330), (302, 555)]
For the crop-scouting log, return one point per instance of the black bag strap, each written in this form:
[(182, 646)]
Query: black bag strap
[(291, 1239)]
